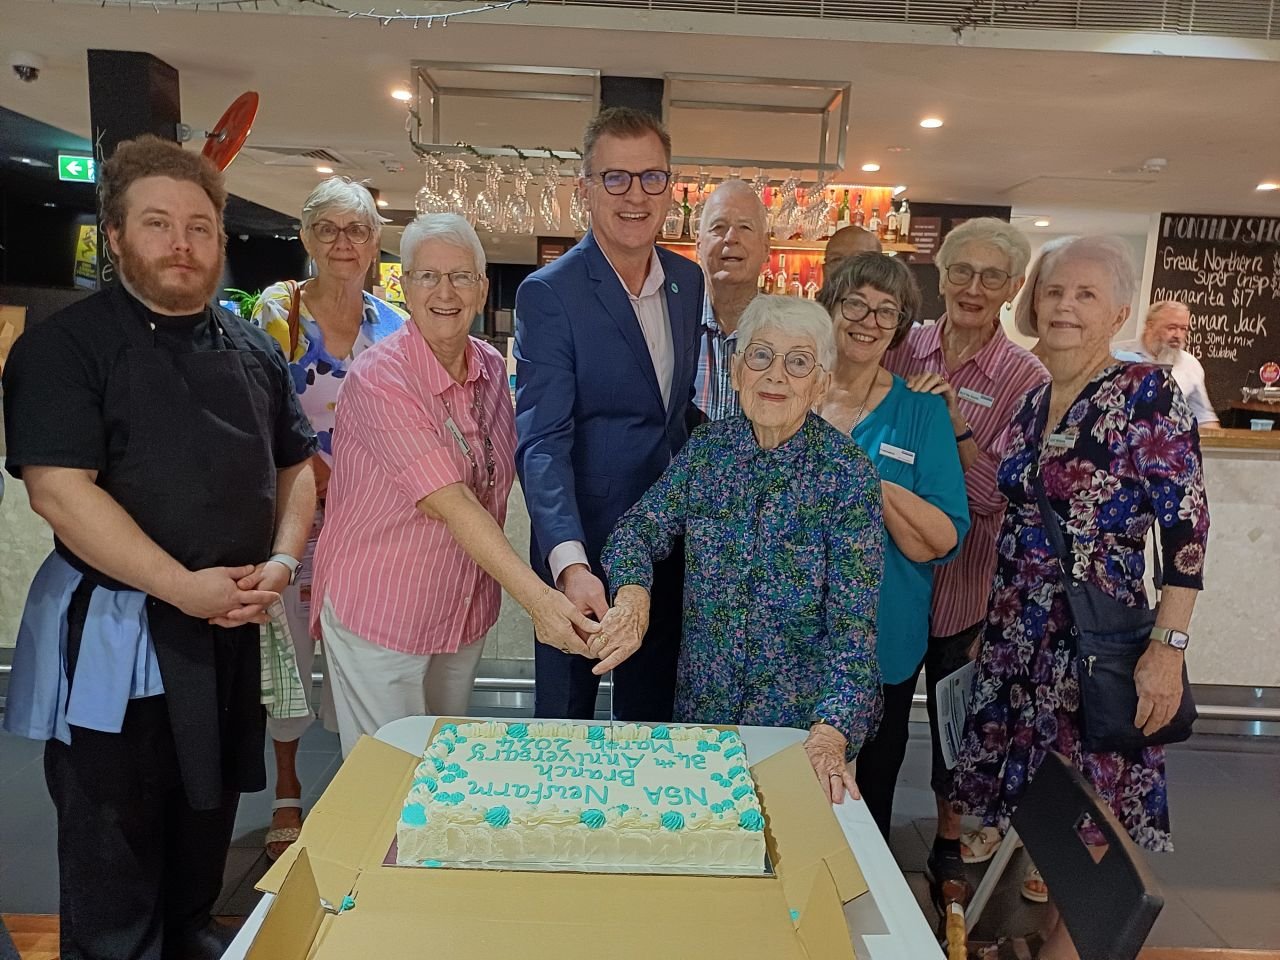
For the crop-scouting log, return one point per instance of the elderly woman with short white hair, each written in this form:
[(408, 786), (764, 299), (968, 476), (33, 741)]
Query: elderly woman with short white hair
[(412, 555), (322, 325), (784, 548)]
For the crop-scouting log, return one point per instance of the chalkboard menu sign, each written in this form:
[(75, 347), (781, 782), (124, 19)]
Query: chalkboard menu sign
[(1226, 269)]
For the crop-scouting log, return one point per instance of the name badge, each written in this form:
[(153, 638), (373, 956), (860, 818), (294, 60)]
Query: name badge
[(457, 435), (897, 453), (973, 396), (1063, 441)]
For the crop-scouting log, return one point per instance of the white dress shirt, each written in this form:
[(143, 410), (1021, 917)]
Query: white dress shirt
[(650, 306), (1187, 372)]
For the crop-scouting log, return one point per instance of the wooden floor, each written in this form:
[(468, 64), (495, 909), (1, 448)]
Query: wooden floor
[(36, 938)]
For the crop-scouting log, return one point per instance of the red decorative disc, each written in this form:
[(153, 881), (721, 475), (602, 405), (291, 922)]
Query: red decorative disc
[(232, 130)]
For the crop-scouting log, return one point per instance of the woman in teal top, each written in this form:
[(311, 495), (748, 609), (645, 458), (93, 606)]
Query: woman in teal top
[(872, 300)]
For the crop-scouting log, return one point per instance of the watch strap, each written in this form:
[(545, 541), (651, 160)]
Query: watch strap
[(1170, 638), (292, 563)]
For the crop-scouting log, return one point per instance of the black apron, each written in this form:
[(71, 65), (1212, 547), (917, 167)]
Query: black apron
[(198, 477)]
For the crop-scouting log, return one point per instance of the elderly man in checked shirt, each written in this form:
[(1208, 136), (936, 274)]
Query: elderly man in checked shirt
[(733, 245)]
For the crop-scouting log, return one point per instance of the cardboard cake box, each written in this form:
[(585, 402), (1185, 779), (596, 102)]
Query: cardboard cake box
[(397, 912)]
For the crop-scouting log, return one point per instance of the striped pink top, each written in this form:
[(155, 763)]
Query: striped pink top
[(994, 382), (394, 576)]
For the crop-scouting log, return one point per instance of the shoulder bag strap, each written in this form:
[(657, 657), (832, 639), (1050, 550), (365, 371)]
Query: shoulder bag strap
[(295, 310)]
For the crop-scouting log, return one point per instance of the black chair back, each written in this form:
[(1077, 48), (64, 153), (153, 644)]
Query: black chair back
[(1106, 893)]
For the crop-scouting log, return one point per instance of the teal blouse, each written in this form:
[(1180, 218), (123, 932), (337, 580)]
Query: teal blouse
[(912, 426)]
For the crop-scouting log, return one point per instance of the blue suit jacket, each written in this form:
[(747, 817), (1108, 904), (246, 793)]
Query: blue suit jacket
[(591, 429)]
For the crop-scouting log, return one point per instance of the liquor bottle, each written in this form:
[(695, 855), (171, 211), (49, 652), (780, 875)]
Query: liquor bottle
[(780, 278), (811, 288), (904, 222), (859, 216), (891, 225), (794, 288), (874, 223), (686, 213), (671, 225), (842, 218), (764, 283)]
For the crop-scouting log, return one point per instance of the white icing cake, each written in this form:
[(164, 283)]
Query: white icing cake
[(573, 793)]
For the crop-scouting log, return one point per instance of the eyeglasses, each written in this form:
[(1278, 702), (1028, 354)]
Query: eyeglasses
[(855, 309), (430, 279), (798, 363), (618, 182), (326, 231), (992, 278)]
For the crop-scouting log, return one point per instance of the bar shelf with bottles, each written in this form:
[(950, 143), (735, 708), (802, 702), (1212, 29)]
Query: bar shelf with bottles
[(794, 267)]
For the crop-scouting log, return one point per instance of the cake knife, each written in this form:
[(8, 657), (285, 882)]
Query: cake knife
[(611, 682)]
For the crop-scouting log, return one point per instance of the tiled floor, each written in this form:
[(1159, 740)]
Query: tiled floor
[(1221, 886)]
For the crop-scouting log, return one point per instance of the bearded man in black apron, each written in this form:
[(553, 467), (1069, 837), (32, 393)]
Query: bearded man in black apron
[(162, 440)]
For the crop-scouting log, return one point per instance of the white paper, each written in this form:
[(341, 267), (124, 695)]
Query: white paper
[(953, 710)]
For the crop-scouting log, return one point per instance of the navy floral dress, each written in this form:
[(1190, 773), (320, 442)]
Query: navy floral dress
[(784, 550), (1125, 456)]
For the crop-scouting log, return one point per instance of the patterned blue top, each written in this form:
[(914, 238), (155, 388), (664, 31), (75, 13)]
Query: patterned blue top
[(784, 550), (912, 426)]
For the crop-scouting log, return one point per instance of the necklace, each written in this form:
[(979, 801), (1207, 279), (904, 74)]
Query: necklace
[(862, 407), (483, 489)]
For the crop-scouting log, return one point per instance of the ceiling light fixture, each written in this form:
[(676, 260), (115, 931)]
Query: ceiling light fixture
[(383, 203), (325, 170), (931, 123), (401, 94), (870, 167), (897, 149), (1042, 222), (1268, 185), (900, 188)]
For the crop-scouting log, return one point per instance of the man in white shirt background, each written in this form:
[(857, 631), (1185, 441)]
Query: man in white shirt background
[(1164, 341)]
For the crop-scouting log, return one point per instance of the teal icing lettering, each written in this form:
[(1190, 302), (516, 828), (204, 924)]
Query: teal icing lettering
[(414, 815), (631, 761), (698, 796), (519, 790), (541, 743), (477, 751), (665, 746), (592, 795), (627, 778), (699, 762), (671, 820), (751, 820), (653, 793), (573, 792), (476, 789), (542, 770)]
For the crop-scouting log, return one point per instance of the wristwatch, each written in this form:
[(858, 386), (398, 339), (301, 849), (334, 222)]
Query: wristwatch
[(287, 561), (1170, 638)]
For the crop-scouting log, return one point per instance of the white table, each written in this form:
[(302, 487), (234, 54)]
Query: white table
[(889, 922)]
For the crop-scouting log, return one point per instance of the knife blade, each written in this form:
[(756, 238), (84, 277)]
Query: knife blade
[(611, 681)]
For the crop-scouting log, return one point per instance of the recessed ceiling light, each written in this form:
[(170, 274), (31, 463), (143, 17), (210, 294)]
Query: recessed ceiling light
[(383, 203), (1042, 222), (870, 167), (324, 169), (931, 123), (28, 161), (897, 149), (400, 93), (1268, 185)]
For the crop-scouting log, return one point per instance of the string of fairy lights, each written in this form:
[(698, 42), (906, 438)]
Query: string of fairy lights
[(386, 19)]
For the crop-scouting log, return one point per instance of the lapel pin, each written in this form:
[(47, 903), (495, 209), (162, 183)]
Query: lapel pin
[(675, 287)]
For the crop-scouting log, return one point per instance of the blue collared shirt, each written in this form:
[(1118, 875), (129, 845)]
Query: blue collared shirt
[(117, 661), (714, 394)]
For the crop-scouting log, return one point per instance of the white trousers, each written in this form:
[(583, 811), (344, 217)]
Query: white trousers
[(373, 685)]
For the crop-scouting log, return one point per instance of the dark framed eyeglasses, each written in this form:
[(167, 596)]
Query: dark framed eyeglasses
[(855, 309), (992, 278), (326, 231), (618, 182), (798, 363), (430, 279)]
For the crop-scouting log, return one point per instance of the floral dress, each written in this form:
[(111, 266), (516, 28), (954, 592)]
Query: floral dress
[(1125, 456), (784, 550)]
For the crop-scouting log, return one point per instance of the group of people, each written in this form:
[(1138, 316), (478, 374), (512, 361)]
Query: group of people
[(745, 508)]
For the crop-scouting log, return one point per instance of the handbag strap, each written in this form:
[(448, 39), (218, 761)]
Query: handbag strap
[(295, 315)]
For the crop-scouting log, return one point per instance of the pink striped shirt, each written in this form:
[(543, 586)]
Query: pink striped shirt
[(995, 380), (394, 576)]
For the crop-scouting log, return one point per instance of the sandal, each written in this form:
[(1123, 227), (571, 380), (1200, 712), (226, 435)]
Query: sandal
[(1033, 887), (979, 846), (282, 835)]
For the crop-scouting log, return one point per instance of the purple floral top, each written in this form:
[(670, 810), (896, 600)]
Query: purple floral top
[(783, 556)]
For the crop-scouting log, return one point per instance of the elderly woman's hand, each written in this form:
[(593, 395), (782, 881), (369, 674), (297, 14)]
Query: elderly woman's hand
[(622, 630), (939, 385), (825, 747), (558, 623), (1158, 677)]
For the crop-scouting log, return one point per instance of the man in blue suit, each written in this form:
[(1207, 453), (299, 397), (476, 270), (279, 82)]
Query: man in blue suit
[(606, 346)]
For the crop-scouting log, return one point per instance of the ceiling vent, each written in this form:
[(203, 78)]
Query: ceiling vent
[(296, 156)]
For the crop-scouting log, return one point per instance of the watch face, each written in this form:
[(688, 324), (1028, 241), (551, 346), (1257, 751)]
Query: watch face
[(1178, 640)]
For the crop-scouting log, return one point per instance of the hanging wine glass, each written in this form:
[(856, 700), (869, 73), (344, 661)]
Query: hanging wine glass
[(458, 199), (695, 218), (579, 216), (519, 211), (673, 222), (549, 201), (785, 222), (428, 199), (488, 201), (760, 182)]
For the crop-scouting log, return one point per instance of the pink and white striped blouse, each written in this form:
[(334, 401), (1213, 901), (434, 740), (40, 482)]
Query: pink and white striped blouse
[(394, 576), (990, 387)]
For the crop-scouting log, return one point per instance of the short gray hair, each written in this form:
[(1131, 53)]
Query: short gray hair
[(1025, 320), (341, 195), (1163, 306), (450, 228), (1004, 236), (793, 315), (725, 191), (1112, 252)]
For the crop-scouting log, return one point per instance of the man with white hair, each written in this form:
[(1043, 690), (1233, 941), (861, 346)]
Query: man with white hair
[(733, 246), (1164, 341)]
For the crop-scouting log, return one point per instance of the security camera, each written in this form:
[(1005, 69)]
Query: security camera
[(27, 66)]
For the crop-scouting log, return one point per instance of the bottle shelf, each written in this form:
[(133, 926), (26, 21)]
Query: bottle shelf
[(784, 245)]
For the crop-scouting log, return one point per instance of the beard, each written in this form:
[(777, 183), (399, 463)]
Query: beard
[(166, 292)]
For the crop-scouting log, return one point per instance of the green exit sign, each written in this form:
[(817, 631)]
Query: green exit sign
[(78, 169)]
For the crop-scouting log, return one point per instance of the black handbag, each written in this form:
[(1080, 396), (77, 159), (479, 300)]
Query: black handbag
[(1110, 638)]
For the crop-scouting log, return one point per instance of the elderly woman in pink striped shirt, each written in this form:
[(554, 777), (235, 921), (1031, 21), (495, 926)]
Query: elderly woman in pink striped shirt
[(412, 554)]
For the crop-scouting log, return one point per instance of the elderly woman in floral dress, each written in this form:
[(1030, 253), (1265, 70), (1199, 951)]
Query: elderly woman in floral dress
[(1116, 447), (784, 548)]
